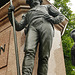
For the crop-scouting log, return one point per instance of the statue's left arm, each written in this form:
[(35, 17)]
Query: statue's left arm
[(57, 17)]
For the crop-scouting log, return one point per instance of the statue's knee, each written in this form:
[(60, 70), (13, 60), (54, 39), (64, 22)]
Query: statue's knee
[(44, 59), (30, 53)]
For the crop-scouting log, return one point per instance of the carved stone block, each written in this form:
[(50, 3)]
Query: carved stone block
[(4, 47)]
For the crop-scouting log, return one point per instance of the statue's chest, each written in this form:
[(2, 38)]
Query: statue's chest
[(40, 8)]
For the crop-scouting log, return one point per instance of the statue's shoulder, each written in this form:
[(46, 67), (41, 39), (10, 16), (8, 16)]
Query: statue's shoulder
[(47, 6)]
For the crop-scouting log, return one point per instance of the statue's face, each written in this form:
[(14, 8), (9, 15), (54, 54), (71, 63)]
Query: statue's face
[(33, 3), (35, 0)]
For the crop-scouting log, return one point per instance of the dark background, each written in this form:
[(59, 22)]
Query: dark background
[(3, 2)]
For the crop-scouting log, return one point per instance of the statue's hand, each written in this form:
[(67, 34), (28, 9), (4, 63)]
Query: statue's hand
[(11, 8)]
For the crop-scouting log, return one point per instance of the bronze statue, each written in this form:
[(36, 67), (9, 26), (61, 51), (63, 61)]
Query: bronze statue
[(73, 48), (40, 20)]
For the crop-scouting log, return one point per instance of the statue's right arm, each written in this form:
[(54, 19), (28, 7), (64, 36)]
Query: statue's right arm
[(18, 26), (56, 16)]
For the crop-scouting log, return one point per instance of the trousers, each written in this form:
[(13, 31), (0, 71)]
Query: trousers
[(39, 31)]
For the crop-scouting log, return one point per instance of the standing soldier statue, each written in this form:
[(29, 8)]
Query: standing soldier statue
[(40, 20), (73, 48)]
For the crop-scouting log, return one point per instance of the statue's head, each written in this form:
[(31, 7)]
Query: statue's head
[(33, 1), (73, 34)]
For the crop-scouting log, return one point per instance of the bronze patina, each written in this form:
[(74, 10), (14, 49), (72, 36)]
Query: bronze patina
[(73, 48)]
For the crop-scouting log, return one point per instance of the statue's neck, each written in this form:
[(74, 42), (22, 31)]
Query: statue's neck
[(34, 5)]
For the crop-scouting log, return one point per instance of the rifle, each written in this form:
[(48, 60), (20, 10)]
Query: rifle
[(15, 42)]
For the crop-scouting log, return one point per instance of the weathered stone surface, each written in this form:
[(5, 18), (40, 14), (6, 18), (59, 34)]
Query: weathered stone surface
[(4, 44)]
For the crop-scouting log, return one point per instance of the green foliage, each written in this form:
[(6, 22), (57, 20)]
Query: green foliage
[(67, 41), (67, 45)]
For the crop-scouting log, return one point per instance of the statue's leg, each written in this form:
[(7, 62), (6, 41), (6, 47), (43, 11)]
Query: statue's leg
[(30, 51), (46, 38)]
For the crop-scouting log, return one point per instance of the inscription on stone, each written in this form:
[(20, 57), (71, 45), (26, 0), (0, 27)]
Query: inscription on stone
[(2, 48)]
